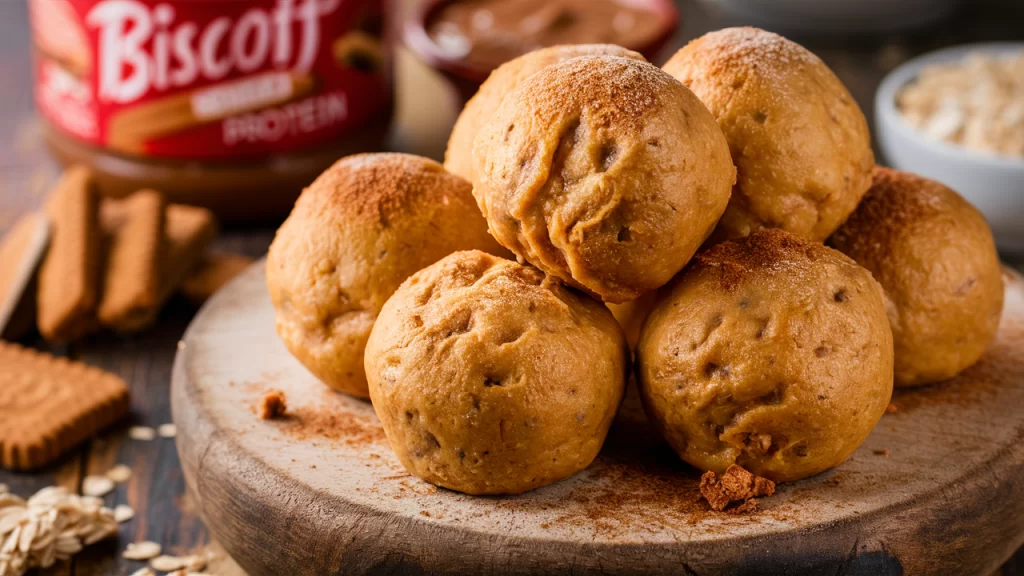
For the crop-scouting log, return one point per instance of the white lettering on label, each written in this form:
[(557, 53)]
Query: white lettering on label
[(182, 53), (273, 124)]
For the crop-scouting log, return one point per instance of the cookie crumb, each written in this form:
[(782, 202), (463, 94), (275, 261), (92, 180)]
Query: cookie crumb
[(891, 408), (745, 508), (881, 453), (737, 484), (272, 405)]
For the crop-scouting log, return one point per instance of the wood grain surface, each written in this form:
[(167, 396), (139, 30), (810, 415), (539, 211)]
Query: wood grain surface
[(425, 114), (938, 488)]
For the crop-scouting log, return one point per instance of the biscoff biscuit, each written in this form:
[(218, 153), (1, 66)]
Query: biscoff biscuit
[(216, 270), (69, 276), (20, 252), (133, 233), (188, 232), (48, 405)]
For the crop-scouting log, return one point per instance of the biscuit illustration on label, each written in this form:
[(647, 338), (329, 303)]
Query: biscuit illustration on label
[(131, 129), (360, 51)]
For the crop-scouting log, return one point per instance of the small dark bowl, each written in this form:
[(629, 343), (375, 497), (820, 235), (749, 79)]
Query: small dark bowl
[(467, 79)]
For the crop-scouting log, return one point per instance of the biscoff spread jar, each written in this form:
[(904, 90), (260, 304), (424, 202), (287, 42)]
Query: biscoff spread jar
[(230, 104)]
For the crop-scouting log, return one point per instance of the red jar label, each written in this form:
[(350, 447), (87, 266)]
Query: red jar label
[(210, 79)]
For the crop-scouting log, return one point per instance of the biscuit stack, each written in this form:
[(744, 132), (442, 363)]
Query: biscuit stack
[(108, 263), (696, 199)]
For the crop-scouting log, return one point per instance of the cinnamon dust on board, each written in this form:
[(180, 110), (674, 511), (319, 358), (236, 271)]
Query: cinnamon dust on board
[(309, 423)]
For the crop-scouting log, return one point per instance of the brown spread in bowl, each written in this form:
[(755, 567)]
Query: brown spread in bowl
[(486, 33)]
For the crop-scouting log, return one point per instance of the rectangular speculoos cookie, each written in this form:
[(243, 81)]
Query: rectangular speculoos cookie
[(20, 252), (69, 276), (188, 232), (133, 235), (49, 405)]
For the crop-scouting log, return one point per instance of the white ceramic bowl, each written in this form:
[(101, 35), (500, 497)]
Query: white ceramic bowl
[(995, 184), (834, 16)]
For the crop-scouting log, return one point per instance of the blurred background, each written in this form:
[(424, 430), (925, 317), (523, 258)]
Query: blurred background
[(965, 126), (861, 40)]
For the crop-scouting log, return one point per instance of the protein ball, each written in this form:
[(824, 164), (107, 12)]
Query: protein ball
[(356, 233), (799, 141), (491, 378), (934, 255), (458, 159), (772, 353), (605, 172)]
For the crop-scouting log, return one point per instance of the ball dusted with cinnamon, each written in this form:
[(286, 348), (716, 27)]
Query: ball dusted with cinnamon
[(772, 353), (458, 159), (605, 172), (491, 378), (800, 142), (363, 227), (935, 257)]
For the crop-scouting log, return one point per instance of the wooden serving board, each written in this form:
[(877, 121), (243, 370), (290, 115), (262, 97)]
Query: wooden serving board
[(937, 489)]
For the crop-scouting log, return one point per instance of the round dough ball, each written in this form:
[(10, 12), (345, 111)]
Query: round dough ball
[(631, 315), (934, 256), (491, 378), (771, 352), (800, 142), (356, 233), (605, 172), (458, 159)]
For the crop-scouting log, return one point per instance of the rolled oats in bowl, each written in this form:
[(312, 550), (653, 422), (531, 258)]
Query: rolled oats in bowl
[(976, 102)]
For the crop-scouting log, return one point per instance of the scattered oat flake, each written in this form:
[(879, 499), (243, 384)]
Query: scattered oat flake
[(142, 551), (97, 486), (168, 431), (123, 513), (119, 473), (147, 571), (975, 102), (144, 433), (52, 525), (183, 563)]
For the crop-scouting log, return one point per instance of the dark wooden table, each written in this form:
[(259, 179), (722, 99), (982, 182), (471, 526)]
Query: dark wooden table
[(156, 490)]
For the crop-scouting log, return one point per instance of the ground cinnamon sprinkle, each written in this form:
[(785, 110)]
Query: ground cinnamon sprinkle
[(735, 485), (306, 423), (272, 405)]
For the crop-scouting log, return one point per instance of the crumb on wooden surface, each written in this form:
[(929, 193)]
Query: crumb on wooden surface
[(736, 485), (272, 405)]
